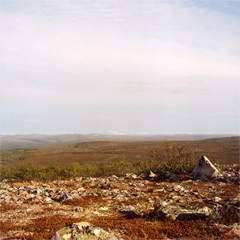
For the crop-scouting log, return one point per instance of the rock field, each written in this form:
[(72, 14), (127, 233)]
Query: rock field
[(178, 197)]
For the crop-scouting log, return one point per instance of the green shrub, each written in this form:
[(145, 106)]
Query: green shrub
[(175, 158)]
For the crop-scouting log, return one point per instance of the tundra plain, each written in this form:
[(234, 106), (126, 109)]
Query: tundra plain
[(221, 150)]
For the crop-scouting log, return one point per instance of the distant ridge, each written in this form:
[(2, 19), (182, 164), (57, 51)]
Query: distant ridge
[(37, 141)]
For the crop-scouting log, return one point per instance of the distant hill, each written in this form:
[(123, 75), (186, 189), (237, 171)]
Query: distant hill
[(223, 150), (38, 141)]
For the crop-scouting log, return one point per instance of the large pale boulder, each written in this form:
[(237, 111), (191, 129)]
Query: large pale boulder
[(206, 168), (82, 230)]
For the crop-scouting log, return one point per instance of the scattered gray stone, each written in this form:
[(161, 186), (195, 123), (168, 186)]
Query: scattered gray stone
[(158, 190), (78, 209), (47, 199), (130, 175), (178, 188), (125, 209), (113, 178), (82, 230), (78, 179), (226, 209), (64, 197), (235, 201), (4, 186), (103, 208)]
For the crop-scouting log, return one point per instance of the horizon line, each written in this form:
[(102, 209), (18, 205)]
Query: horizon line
[(114, 134)]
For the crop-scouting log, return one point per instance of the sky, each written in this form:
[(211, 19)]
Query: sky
[(120, 66)]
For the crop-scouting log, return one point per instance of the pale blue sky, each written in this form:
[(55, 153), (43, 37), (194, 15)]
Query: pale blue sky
[(124, 67)]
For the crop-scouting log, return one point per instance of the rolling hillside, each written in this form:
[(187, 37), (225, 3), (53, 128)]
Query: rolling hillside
[(38, 141), (223, 150)]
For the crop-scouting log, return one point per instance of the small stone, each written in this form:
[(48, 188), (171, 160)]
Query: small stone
[(175, 197), (64, 197), (125, 209), (78, 179), (78, 209), (47, 199), (160, 203), (113, 177), (130, 175), (235, 200), (178, 188), (158, 190), (97, 213), (103, 208), (152, 175), (217, 199)]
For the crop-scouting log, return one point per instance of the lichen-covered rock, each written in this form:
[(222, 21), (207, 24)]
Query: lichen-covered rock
[(163, 210), (65, 197), (125, 209), (226, 209), (178, 188), (4, 186), (235, 201), (82, 230), (130, 176), (205, 168), (78, 209)]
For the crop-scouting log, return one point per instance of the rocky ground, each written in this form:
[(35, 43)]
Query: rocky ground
[(153, 199)]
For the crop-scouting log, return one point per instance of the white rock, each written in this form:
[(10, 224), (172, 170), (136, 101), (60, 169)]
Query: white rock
[(97, 213), (217, 199), (103, 208), (47, 199), (151, 174), (178, 188), (205, 167), (158, 190)]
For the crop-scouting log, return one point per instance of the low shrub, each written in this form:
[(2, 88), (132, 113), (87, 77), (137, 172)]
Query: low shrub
[(27, 172), (175, 158)]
